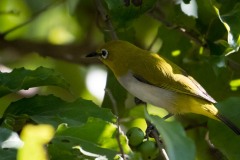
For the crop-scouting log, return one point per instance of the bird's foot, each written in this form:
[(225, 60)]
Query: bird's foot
[(139, 101), (151, 131)]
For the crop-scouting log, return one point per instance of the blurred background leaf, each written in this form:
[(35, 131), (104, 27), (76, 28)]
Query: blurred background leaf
[(35, 138)]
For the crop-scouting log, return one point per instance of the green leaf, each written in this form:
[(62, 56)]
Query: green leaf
[(5, 133), (24, 79), (7, 151), (122, 13), (72, 5), (96, 138), (203, 150), (179, 43), (218, 76), (232, 25), (174, 138), (15, 122), (220, 135), (53, 110), (8, 154)]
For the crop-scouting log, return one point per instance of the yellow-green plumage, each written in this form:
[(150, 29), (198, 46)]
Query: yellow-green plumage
[(158, 81)]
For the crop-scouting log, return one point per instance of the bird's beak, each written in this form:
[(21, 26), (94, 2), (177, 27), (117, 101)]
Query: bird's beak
[(93, 54)]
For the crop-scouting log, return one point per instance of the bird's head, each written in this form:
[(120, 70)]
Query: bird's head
[(117, 55)]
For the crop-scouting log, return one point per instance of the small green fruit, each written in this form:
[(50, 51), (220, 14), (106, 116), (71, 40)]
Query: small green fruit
[(135, 136), (148, 150)]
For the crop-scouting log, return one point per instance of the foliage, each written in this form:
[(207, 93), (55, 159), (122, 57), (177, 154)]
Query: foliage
[(43, 74)]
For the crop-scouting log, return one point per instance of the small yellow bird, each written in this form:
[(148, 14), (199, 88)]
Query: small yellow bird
[(158, 81)]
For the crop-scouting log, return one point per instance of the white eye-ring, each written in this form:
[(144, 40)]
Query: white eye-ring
[(104, 53)]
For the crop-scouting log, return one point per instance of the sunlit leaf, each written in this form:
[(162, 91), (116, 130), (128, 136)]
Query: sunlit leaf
[(96, 138), (232, 25), (9, 139), (35, 137)]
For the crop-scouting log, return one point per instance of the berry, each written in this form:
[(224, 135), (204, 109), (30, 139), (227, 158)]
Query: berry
[(135, 136), (148, 150)]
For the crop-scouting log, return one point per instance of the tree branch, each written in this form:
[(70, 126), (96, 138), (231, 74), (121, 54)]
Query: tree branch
[(73, 53), (159, 15)]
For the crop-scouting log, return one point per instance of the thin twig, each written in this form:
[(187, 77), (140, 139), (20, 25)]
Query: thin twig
[(155, 135), (74, 53), (153, 42), (114, 104), (160, 146), (106, 19)]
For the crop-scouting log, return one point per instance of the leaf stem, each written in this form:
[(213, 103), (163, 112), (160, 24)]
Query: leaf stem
[(114, 104)]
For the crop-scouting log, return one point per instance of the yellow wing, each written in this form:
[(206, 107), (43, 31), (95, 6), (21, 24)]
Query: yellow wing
[(165, 74)]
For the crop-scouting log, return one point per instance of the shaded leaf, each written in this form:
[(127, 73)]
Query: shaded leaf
[(220, 135), (203, 150), (5, 133), (9, 154), (24, 79), (178, 42), (53, 110), (72, 5), (122, 13)]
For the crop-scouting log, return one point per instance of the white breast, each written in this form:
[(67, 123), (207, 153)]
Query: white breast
[(148, 93)]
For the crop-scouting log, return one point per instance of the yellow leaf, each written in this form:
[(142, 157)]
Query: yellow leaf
[(34, 138)]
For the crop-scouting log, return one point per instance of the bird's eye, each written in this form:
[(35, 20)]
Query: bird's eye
[(104, 53)]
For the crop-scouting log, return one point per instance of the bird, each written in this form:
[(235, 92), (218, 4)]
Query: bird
[(156, 80)]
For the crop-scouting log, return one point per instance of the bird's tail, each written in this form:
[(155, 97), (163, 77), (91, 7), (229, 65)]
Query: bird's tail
[(212, 112), (227, 122)]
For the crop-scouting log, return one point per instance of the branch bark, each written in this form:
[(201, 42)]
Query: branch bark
[(105, 18), (74, 53)]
